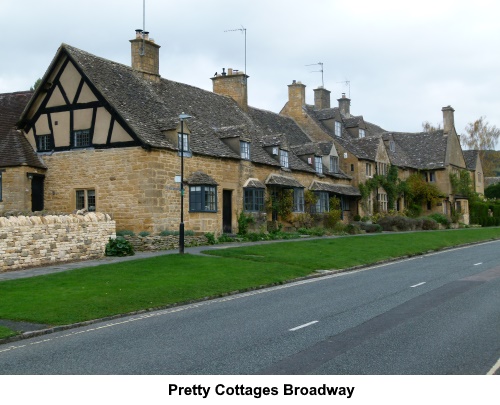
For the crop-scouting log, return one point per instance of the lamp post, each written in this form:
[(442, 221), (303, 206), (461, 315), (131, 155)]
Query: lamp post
[(182, 117)]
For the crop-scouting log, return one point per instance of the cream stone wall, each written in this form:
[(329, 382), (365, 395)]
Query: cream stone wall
[(16, 188), (35, 241)]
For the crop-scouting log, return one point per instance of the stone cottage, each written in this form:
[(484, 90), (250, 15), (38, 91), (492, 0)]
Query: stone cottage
[(109, 136)]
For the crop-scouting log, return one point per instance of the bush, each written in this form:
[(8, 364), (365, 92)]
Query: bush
[(370, 228), (398, 223), (244, 222), (429, 224), (119, 247), (144, 233), (353, 229), (441, 219), (357, 218), (225, 238), (210, 238), (125, 232)]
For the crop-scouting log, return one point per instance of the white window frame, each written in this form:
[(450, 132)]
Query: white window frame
[(338, 128), (369, 169), (362, 133), (245, 150), (318, 164), (334, 164), (284, 158), (186, 142)]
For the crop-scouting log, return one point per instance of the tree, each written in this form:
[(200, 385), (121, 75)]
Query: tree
[(35, 86), (493, 191), (482, 137), (429, 128)]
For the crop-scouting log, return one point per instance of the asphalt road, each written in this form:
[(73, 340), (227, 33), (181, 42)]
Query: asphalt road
[(433, 314)]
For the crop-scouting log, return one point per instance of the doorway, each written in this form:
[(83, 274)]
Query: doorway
[(227, 211), (37, 193)]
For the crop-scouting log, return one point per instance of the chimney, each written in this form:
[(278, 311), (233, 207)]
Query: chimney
[(345, 105), (321, 98), (146, 55), (448, 119), (296, 96), (232, 84)]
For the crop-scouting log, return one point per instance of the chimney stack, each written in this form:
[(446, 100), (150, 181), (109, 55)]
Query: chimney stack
[(296, 96), (232, 84), (145, 55), (345, 105), (448, 119), (321, 98)]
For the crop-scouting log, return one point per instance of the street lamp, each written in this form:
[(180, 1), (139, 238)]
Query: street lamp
[(182, 117)]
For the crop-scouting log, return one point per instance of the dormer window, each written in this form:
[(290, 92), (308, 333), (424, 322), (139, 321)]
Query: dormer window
[(338, 128), (318, 164), (334, 164), (392, 146), (361, 133), (284, 158), (245, 150), (183, 142)]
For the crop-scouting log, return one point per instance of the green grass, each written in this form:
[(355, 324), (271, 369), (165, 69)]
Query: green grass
[(96, 292), (6, 332)]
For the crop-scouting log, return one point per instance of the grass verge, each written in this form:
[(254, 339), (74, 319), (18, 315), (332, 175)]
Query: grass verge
[(91, 293), (6, 332)]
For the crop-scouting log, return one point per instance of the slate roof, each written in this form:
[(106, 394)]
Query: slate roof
[(15, 150), (200, 178), (152, 107), (422, 151), (283, 181), (471, 157), (336, 188)]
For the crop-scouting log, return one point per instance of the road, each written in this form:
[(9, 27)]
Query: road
[(432, 314)]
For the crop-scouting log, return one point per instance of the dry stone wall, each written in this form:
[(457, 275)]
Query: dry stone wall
[(40, 240)]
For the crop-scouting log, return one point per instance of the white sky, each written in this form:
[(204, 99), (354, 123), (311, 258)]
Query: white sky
[(405, 60)]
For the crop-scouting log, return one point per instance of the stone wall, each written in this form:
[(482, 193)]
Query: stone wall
[(170, 242), (40, 240)]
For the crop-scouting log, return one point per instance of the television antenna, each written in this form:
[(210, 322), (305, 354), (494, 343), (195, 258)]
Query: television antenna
[(348, 84), (320, 70), (141, 50), (243, 30)]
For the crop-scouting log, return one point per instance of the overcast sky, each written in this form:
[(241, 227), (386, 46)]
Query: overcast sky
[(403, 60)]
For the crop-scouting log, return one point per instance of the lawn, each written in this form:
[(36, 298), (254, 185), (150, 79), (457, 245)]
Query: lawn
[(96, 292)]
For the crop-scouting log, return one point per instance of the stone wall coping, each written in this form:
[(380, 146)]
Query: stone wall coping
[(16, 221)]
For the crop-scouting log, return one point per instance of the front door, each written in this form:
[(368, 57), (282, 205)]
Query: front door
[(227, 211), (37, 193)]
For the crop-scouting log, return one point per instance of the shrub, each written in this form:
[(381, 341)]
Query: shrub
[(353, 229), (441, 219), (210, 238), (189, 233), (243, 223), (398, 223), (119, 247), (144, 233), (370, 228), (429, 224), (125, 232), (225, 238), (357, 218)]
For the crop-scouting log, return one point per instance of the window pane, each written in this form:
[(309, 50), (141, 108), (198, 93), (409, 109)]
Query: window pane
[(91, 200), (195, 198), (245, 150), (210, 198), (80, 199), (82, 138), (298, 200)]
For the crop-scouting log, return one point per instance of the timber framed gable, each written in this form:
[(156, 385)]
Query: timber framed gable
[(69, 112)]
